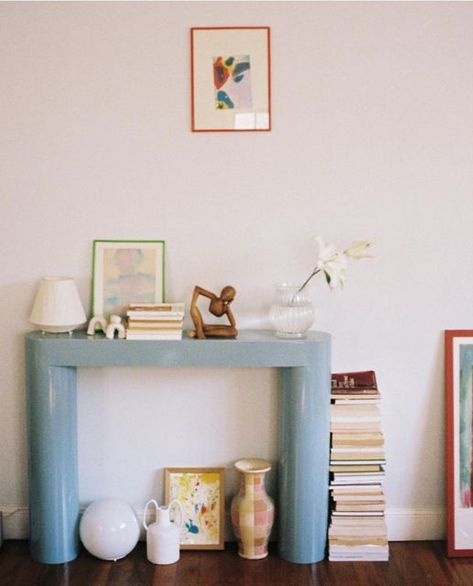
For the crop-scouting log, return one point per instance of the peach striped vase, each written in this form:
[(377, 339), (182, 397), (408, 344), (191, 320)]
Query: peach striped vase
[(252, 510)]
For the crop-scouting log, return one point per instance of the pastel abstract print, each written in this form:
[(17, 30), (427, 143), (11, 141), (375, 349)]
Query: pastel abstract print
[(232, 82), (199, 495), (466, 425), (128, 277)]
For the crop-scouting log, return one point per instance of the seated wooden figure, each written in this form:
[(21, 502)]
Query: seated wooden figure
[(218, 306)]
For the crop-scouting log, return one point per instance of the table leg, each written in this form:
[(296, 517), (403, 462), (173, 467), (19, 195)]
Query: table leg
[(303, 463), (52, 465)]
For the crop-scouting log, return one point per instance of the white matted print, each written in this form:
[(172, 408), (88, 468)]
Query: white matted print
[(230, 79), (126, 271)]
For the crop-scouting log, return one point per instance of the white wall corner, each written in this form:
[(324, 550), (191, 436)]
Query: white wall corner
[(416, 524)]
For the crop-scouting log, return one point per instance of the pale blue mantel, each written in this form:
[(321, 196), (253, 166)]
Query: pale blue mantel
[(51, 364)]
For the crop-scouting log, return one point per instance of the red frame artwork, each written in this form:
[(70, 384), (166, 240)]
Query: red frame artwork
[(231, 79), (459, 441)]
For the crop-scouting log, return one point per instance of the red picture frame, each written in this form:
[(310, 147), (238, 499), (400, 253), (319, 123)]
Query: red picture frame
[(231, 79), (459, 441)]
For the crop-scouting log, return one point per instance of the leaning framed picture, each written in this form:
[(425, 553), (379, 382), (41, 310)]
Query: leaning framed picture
[(201, 494), (124, 272), (459, 441), (231, 78)]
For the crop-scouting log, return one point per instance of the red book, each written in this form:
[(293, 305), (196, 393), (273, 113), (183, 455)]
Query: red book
[(354, 382)]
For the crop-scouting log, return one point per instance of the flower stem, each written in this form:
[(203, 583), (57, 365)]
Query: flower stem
[(314, 272)]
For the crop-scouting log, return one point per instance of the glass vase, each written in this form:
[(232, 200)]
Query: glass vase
[(292, 312)]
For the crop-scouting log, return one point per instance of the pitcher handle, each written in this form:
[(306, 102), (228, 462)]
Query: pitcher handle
[(181, 511), (145, 512)]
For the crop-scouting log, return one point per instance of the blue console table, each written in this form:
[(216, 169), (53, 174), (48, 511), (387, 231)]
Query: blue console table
[(51, 364)]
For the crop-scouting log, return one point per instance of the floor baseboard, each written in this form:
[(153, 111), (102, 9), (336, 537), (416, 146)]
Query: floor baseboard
[(416, 524), (403, 524)]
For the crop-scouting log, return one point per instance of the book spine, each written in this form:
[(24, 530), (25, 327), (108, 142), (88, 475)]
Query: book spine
[(146, 315)]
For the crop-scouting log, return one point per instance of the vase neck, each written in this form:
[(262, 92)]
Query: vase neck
[(252, 484)]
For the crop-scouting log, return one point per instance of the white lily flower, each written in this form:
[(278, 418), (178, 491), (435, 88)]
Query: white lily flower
[(327, 252), (333, 263), (358, 249), (335, 272)]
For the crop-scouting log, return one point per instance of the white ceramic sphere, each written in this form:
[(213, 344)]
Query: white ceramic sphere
[(109, 529)]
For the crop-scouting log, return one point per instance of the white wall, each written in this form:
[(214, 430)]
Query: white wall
[(372, 138)]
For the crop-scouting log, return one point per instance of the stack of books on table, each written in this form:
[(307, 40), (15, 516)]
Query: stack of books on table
[(357, 530), (155, 321)]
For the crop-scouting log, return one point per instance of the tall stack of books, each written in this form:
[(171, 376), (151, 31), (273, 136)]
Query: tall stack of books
[(155, 321), (357, 530)]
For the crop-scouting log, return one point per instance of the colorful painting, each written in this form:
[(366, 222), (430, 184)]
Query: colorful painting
[(230, 79), (127, 272), (465, 425), (128, 277), (200, 492), (459, 428), (232, 82)]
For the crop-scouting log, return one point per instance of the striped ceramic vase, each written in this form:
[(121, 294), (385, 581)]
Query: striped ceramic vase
[(252, 510)]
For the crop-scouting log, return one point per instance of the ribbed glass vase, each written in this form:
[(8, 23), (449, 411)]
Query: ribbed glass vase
[(292, 312)]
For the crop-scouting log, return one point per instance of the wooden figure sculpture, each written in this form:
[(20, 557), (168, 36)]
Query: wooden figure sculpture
[(218, 306)]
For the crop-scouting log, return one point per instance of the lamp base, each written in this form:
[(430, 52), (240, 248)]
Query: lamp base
[(57, 329)]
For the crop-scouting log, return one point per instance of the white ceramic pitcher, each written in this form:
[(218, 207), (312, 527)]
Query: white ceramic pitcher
[(163, 536)]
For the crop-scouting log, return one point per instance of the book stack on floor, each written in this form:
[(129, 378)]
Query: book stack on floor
[(155, 321), (357, 530)]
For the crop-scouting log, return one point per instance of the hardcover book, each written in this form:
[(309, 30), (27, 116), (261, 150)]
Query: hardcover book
[(352, 382)]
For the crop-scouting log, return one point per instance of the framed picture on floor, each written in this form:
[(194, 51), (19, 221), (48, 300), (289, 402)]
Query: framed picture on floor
[(230, 78), (201, 494), (124, 272), (459, 440)]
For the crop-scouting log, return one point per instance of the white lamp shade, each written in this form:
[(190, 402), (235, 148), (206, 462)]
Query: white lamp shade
[(57, 306)]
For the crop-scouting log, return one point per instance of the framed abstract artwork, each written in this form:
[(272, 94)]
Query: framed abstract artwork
[(124, 272), (459, 440), (201, 494), (231, 78)]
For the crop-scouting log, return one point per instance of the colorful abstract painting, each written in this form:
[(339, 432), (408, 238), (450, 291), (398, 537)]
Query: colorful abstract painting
[(200, 492), (126, 271), (128, 277), (459, 441), (230, 79), (466, 425), (232, 82)]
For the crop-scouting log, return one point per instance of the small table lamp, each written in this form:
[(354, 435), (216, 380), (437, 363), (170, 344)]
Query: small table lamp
[(57, 306)]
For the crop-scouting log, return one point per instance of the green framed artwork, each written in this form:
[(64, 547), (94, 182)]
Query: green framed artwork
[(124, 272), (200, 492)]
